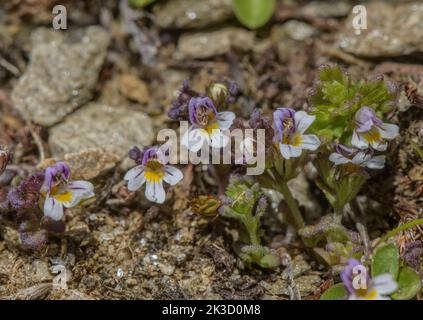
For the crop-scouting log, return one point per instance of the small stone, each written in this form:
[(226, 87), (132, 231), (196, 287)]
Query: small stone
[(42, 272), (298, 30), (166, 269), (393, 30), (183, 14), (202, 45), (131, 282), (327, 9), (134, 88), (112, 129), (62, 73), (90, 163)]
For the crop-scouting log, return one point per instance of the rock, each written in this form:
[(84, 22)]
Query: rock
[(90, 163), (290, 36), (298, 266), (112, 129), (42, 272), (327, 9), (183, 14), (202, 45), (61, 75), (134, 88), (393, 30)]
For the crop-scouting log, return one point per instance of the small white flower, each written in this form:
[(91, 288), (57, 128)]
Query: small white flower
[(58, 192), (371, 131), (208, 126), (290, 127), (361, 158), (379, 288), (153, 171)]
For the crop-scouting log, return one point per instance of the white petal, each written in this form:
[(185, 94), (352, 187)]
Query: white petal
[(361, 158), (310, 142), (379, 145), (194, 138), (225, 119), (289, 151), (338, 159), (80, 190), (172, 175), (377, 162), (303, 121), (358, 141), (53, 209), (136, 183), (389, 131), (384, 284), (134, 173), (218, 139), (155, 192)]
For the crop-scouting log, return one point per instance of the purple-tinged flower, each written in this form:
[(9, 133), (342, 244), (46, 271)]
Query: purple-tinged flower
[(27, 194), (58, 191), (371, 131), (372, 289), (361, 158), (207, 125), (290, 127), (179, 110), (153, 170)]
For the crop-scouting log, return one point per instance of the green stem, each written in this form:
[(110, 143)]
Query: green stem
[(293, 206), (399, 229)]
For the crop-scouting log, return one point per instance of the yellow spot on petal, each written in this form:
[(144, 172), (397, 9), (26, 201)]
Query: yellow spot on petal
[(372, 135), (154, 176), (372, 295), (211, 127), (295, 140), (63, 197)]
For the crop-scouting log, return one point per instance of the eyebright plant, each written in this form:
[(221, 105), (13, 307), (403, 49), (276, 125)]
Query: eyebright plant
[(36, 205)]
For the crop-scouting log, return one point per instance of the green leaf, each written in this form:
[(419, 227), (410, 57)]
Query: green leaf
[(140, 3), (254, 13), (409, 284), (386, 260), (337, 292)]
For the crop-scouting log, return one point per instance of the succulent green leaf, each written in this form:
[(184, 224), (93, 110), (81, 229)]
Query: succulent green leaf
[(254, 13), (386, 260), (409, 284), (337, 292)]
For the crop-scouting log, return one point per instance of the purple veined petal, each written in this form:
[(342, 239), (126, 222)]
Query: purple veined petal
[(347, 275), (134, 172), (218, 139), (384, 284), (365, 118), (172, 175), (344, 150), (361, 157), (377, 162), (155, 192), (149, 154), (310, 142), (303, 121), (135, 183), (388, 131), (225, 119), (289, 151), (80, 190), (358, 141), (338, 159), (195, 104), (279, 117), (49, 175), (53, 209), (63, 169)]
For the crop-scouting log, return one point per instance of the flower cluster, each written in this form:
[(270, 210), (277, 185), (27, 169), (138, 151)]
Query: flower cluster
[(370, 134)]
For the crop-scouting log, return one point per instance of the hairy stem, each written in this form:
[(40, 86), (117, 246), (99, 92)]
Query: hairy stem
[(293, 206)]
